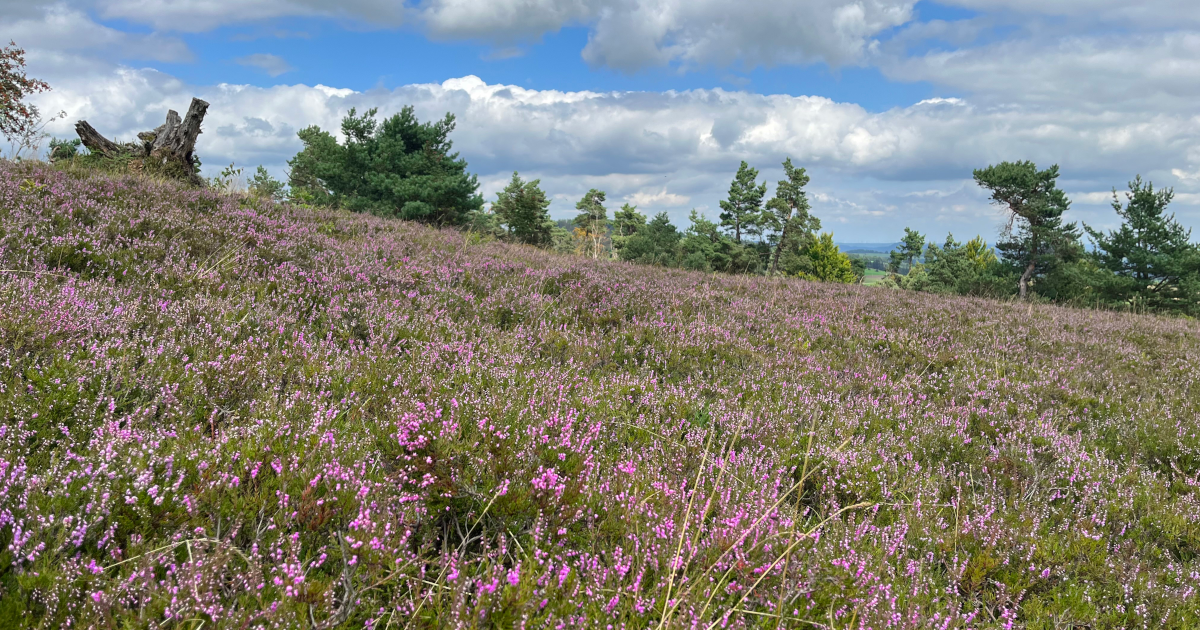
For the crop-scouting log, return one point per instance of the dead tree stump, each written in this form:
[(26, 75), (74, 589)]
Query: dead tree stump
[(167, 149)]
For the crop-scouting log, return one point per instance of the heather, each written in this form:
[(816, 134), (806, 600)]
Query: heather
[(223, 412)]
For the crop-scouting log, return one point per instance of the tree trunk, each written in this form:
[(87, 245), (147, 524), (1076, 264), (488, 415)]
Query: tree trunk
[(170, 144), (95, 142), (782, 241), (1024, 283)]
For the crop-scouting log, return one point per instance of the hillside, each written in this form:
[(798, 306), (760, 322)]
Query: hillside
[(222, 413)]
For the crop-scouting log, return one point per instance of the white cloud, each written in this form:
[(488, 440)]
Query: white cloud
[(273, 65), (633, 34), (877, 171), (1150, 12), (56, 31), (203, 15), (1150, 73), (657, 199)]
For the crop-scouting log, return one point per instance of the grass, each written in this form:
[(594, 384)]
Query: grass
[(219, 412), (873, 277)]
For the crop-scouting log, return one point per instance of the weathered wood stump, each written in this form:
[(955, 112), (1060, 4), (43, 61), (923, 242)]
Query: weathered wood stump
[(167, 148)]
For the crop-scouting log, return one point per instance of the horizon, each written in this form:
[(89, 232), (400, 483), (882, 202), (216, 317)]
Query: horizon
[(888, 104)]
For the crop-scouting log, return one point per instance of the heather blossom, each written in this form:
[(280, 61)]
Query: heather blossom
[(224, 412)]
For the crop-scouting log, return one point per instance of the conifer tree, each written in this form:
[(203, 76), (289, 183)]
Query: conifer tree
[(1150, 257), (522, 207), (742, 211), (787, 214), (1035, 239), (626, 222), (399, 167)]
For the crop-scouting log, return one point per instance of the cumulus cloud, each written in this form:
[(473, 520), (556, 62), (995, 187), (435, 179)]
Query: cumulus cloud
[(1145, 73), (661, 198), (203, 15), (273, 65), (1152, 12), (659, 150), (57, 31), (634, 34)]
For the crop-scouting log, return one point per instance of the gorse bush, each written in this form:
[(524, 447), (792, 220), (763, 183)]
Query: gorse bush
[(221, 412)]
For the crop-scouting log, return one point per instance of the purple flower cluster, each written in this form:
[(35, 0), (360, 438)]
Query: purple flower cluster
[(216, 411)]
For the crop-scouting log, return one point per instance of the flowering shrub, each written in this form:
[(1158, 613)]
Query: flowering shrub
[(222, 412)]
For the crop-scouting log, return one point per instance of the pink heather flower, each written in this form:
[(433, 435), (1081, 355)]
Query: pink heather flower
[(514, 575)]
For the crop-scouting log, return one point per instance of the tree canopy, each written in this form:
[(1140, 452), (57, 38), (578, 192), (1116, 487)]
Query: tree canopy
[(524, 210), (1151, 260), (398, 168), (1035, 239), (742, 211)]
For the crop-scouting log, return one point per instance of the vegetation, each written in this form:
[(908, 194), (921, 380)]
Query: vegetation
[(224, 412), (20, 122), (1149, 260), (1148, 263), (399, 168)]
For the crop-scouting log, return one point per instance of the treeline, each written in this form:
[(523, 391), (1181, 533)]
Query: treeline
[(1147, 263), (404, 168)]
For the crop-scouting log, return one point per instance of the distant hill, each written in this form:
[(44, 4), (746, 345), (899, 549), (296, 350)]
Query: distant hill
[(867, 248)]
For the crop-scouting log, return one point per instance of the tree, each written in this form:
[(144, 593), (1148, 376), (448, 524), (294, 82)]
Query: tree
[(1035, 239), (522, 207), (626, 222), (399, 168), (910, 250), (978, 253), (705, 248), (654, 244), (859, 267), (592, 220), (1150, 257), (743, 209), (264, 186), (787, 213), (18, 119), (827, 262)]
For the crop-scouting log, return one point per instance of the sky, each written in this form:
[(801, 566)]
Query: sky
[(889, 104)]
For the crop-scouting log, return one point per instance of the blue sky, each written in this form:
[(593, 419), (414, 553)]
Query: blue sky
[(889, 103)]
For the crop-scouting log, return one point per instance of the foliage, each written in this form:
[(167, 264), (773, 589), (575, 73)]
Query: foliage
[(1150, 260), (1035, 240), (626, 222), (911, 248), (224, 412), (592, 223), (64, 149), (399, 168), (705, 248), (523, 208), (229, 179), (656, 243), (18, 120), (825, 262), (786, 221), (264, 186), (742, 211), (859, 267)]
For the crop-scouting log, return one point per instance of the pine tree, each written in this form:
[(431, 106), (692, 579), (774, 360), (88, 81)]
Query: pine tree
[(399, 168), (786, 216), (592, 221), (522, 207), (626, 222), (743, 210), (1035, 240), (1150, 257)]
